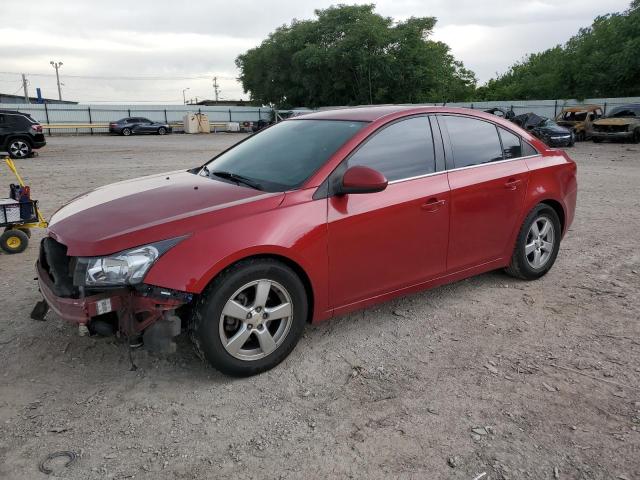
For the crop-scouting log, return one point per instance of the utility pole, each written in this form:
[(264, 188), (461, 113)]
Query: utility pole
[(25, 87), (57, 65), (215, 88), (184, 98)]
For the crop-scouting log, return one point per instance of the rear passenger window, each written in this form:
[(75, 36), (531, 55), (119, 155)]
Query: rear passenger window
[(511, 146), (473, 142), (401, 150)]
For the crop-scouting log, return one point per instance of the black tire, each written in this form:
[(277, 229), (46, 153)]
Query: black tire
[(125, 132), (207, 321), (596, 139), (521, 265), (636, 135), (162, 131), (19, 148), (27, 231), (581, 136), (14, 241)]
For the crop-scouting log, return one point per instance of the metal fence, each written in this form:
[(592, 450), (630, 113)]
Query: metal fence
[(102, 114)]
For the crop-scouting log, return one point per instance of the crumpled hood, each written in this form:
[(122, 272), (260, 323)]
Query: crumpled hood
[(148, 209), (616, 121)]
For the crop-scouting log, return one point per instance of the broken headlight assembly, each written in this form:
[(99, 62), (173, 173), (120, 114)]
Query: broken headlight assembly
[(120, 269)]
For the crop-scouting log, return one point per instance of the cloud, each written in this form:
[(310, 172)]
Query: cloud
[(202, 38)]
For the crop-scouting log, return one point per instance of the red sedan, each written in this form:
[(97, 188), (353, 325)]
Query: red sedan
[(311, 218)]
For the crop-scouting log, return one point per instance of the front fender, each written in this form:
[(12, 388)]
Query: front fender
[(294, 231)]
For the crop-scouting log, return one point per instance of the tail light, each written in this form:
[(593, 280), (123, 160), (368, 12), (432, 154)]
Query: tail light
[(112, 124), (37, 128)]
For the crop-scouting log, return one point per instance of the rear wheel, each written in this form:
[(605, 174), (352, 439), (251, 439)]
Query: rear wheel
[(19, 148), (596, 139), (250, 318), (537, 244), (636, 135), (14, 241), (126, 132)]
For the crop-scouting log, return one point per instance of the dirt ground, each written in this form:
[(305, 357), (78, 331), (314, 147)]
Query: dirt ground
[(520, 380)]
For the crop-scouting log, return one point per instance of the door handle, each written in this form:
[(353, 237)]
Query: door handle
[(432, 205), (512, 184)]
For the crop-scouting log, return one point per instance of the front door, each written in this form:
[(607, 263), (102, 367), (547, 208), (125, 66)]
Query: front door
[(381, 242)]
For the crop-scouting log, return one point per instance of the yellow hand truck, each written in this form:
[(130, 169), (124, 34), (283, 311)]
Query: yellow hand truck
[(18, 217)]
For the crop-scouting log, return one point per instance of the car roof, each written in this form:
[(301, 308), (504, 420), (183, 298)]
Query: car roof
[(371, 113)]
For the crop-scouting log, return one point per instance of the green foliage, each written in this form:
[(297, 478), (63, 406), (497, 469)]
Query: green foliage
[(350, 55), (602, 60)]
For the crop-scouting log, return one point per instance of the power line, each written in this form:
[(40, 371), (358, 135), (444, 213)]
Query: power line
[(126, 77)]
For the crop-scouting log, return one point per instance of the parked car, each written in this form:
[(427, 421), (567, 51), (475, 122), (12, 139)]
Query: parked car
[(19, 134), (579, 119), (501, 112), (135, 125), (621, 123), (546, 130), (314, 217)]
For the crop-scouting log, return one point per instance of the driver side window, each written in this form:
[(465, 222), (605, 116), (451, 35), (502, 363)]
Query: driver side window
[(401, 150)]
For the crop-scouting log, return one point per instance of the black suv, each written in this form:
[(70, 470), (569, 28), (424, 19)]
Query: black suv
[(19, 134)]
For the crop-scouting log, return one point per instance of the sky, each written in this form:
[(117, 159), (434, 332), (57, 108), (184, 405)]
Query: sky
[(151, 50)]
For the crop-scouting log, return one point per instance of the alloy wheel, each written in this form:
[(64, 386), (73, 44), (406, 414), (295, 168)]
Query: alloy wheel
[(256, 320), (19, 149), (540, 242)]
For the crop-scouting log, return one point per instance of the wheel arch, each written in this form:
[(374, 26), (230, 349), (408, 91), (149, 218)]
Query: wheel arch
[(19, 136), (559, 209), (288, 261)]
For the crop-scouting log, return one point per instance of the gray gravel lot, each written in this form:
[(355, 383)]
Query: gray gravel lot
[(521, 380)]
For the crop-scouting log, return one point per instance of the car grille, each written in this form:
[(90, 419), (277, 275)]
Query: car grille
[(610, 128), (54, 260)]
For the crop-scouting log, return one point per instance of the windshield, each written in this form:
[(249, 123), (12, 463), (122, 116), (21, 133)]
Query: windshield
[(546, 122), (624, 112), (574, 116), (283, 156)]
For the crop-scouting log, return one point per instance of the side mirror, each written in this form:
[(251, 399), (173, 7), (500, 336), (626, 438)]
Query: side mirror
[(359, 179)]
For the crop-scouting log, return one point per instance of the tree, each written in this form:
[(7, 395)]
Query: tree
[(602, 60), (350, 55)]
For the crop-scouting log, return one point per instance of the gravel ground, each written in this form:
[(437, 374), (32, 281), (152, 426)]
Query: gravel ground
[(519, 380)]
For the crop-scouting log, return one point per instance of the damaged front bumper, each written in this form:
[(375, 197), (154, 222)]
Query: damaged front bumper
[(136, 309)]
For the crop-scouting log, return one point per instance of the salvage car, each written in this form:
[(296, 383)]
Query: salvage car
[(546, 130), (579, 119), (311, 218), (622, 123), (137, 125)]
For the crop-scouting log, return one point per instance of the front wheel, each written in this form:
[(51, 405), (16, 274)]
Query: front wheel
[(636, 135), (250, 317), (537, 244), (162, 131)]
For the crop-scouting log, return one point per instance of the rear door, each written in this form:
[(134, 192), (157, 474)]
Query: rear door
[(488, 179), (380, 242)]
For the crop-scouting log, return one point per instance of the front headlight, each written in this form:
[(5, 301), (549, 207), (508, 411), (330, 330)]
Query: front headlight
[(123, 268)]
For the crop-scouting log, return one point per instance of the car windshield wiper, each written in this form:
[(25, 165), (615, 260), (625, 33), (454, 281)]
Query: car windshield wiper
[(238, 179)]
